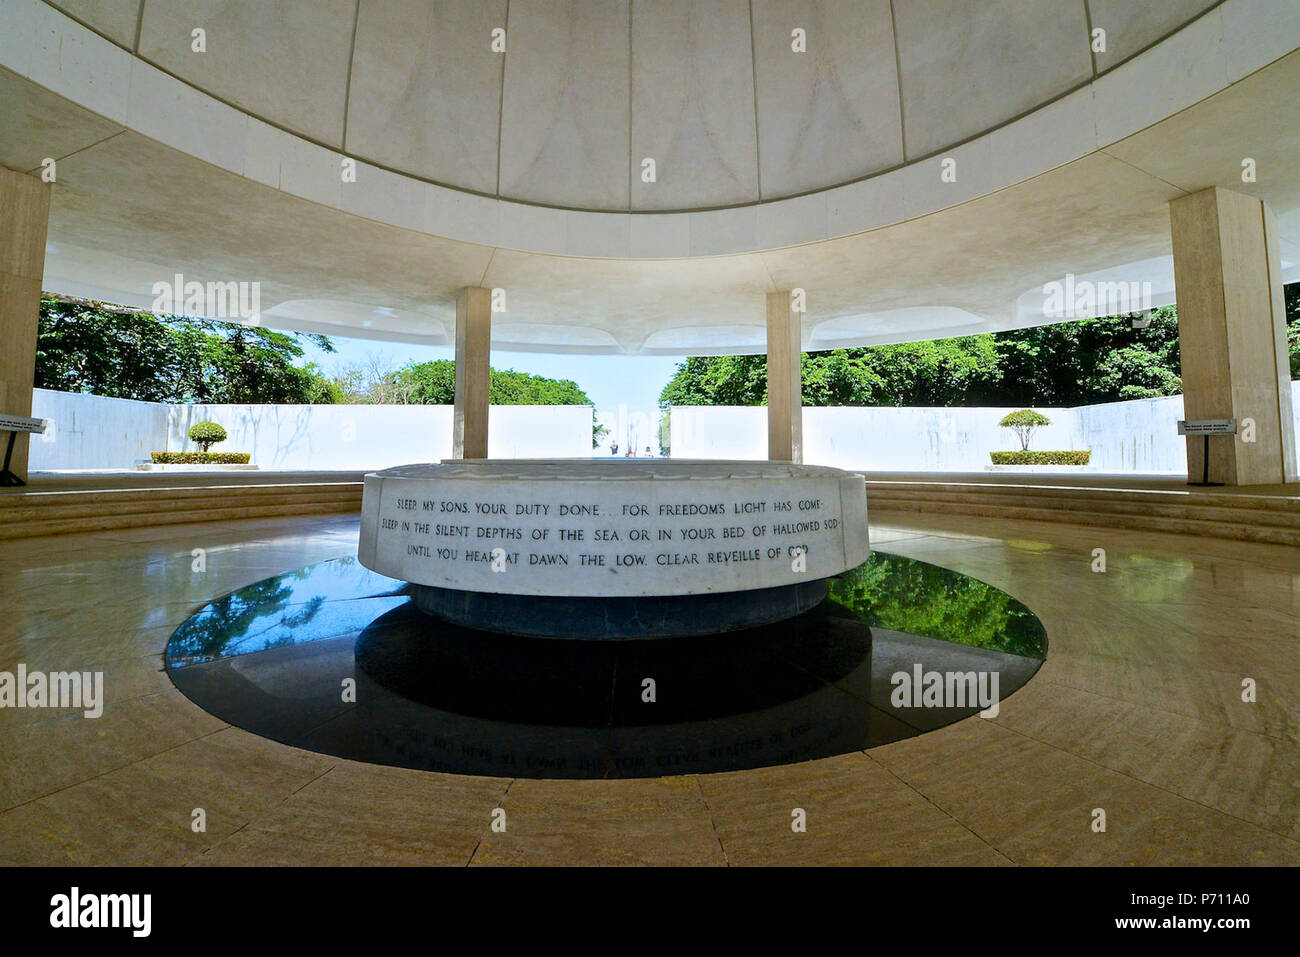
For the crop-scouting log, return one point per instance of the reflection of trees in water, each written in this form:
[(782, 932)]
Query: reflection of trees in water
[(1147, 580), (903, 594), (226, 625)]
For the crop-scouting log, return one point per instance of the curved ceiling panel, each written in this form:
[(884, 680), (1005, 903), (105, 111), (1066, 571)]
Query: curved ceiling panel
[(565, 114), (834, 116), (1132, 27), (692, 113), (420, 104), (286, 61), (116, 19), (967, 67)]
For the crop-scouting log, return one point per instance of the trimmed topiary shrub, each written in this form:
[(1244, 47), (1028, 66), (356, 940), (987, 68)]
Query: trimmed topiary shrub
[(200, 458), (1028, 457), (206, 434), (1024, 423)]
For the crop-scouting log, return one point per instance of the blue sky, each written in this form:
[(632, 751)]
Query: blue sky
[(631, 382)]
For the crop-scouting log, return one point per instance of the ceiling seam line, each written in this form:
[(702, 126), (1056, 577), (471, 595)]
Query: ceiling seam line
[(139, 28), (898, 80), (486, 269), (631, 112), (753, 72), (79, 149), (501, 100), (1092, 50), (347, 82), (1145, 172)]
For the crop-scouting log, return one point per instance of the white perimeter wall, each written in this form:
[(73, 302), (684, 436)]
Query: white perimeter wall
[(1137, 436), (92, 432)]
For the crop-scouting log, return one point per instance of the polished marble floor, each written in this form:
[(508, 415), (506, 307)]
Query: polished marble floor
[(1137, 712)]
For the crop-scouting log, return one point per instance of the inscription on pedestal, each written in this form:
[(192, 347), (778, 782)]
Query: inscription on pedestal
[(662, 534)]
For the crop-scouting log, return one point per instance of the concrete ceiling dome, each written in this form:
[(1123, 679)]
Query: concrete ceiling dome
[(713, 91), (823, 168)]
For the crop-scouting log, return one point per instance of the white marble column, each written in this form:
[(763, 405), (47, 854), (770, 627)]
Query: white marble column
[(1232, 335), (24, 215), (784, 396), (473, 373)]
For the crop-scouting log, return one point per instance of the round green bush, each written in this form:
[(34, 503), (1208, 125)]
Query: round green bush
[(206, 434)]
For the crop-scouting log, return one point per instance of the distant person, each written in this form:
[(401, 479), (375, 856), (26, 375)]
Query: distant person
[(613, 449), (648, 453)]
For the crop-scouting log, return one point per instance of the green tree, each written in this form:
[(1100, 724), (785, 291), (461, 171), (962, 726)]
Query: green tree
[(1066, 364), (428, 383), (107, 350), (85, 349), (1088, 361), (717, 380), (206, 434), (434, 383), (941, 372), (324, 390), (1024, 423)]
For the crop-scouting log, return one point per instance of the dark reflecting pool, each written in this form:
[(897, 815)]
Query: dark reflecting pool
[(336, 659)]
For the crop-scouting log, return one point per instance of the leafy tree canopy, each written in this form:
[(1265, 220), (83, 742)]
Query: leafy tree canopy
[(939, 372), (434, 383), (1066, 364), (111, 351)]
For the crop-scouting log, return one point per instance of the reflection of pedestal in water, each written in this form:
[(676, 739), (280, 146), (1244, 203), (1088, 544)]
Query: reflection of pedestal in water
[(614, 549), (479, 703)]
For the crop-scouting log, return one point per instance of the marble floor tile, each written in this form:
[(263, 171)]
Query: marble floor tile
[(654, 821)]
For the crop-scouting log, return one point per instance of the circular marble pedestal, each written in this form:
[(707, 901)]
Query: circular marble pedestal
[(613, 549)]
